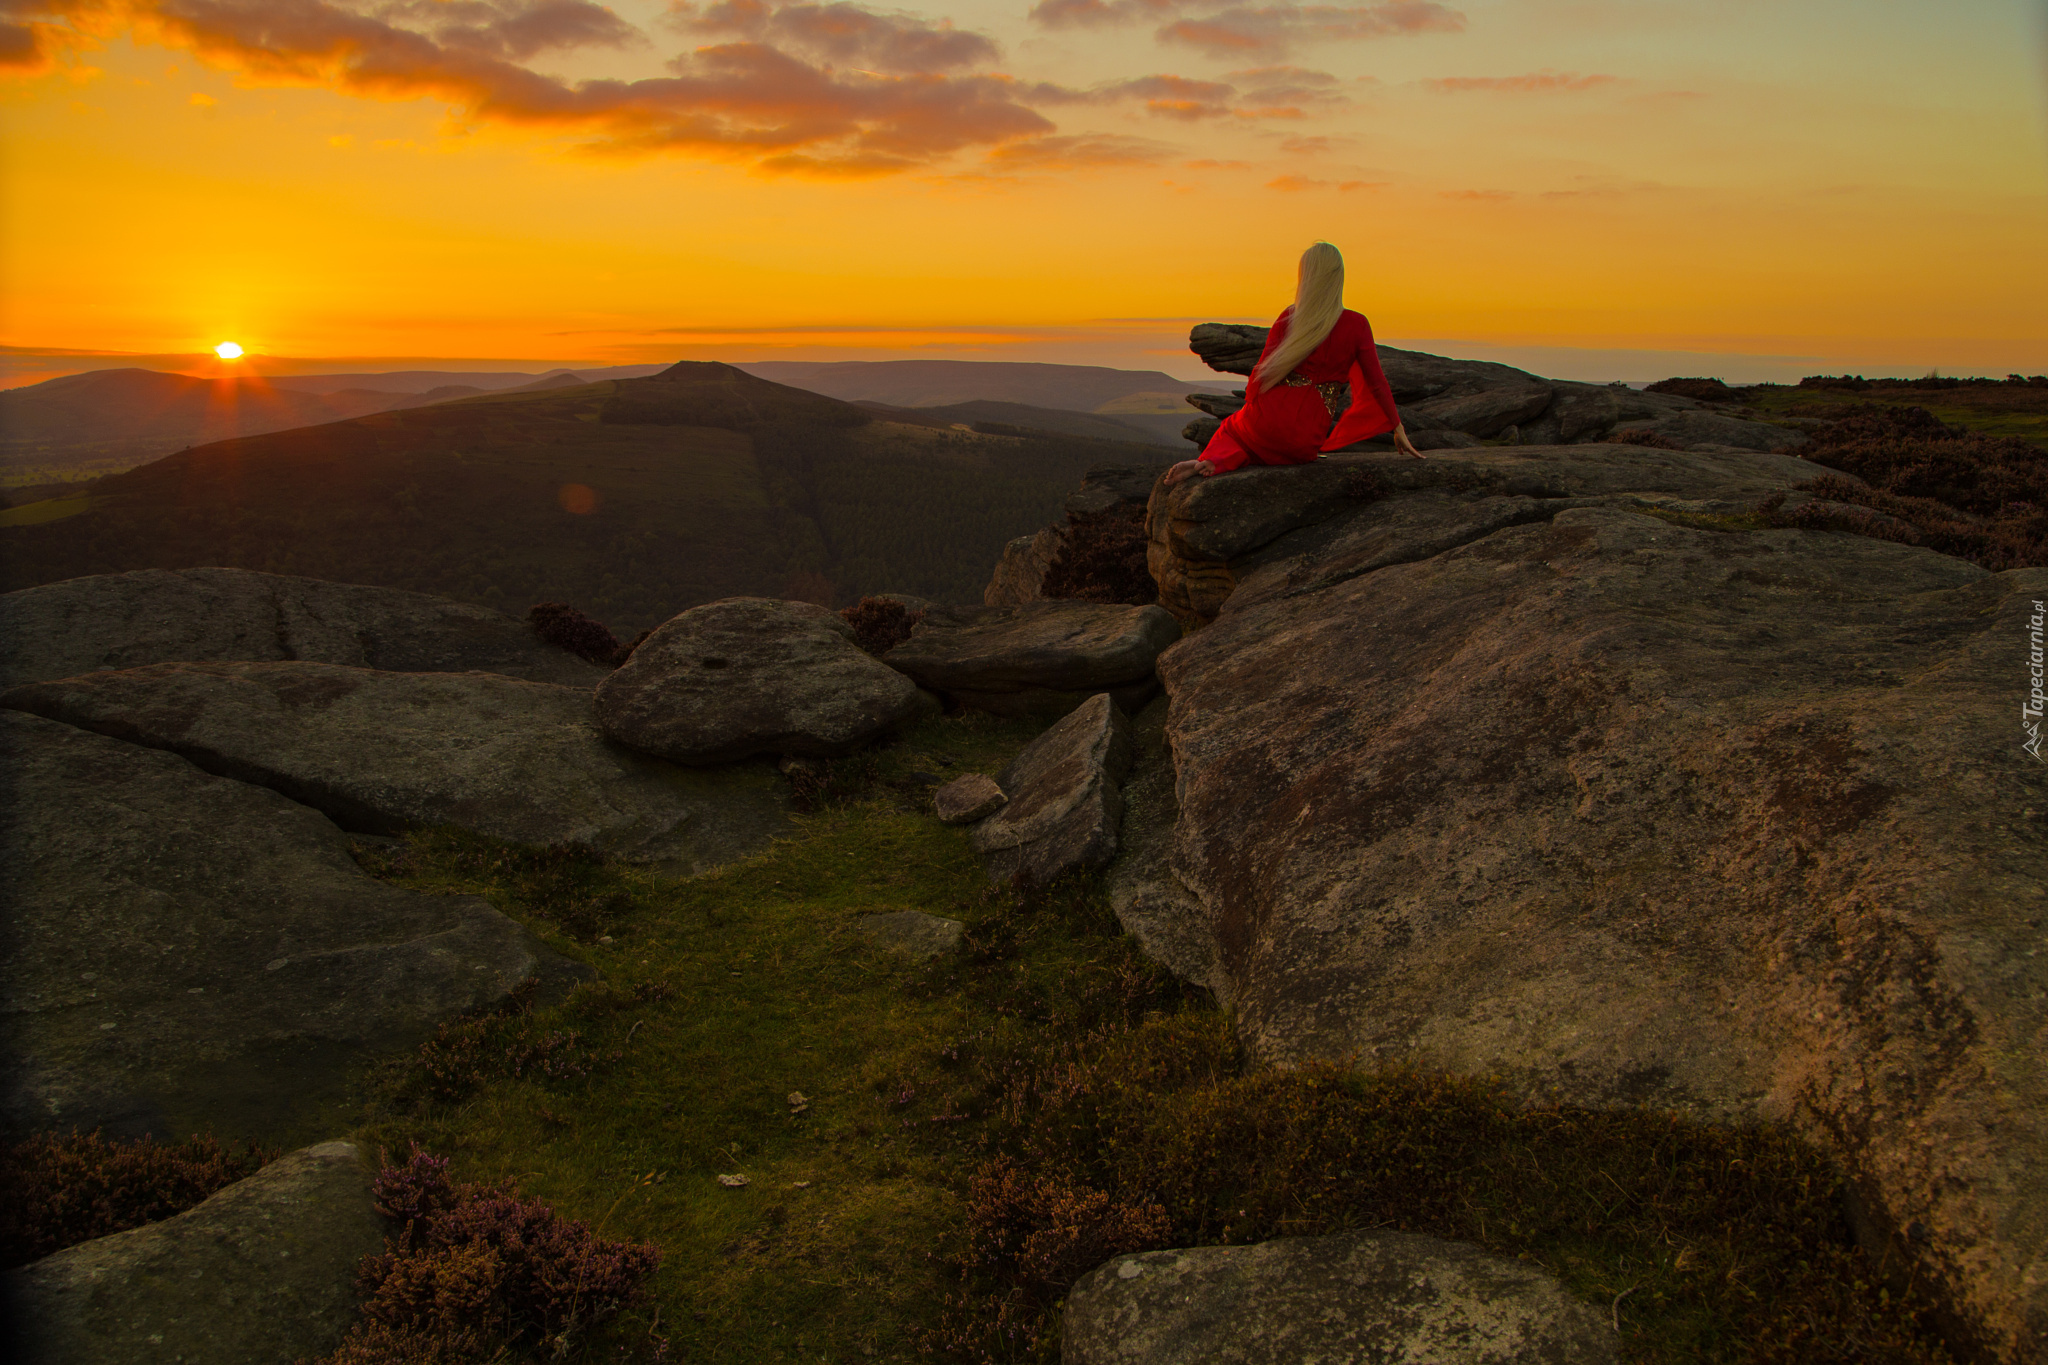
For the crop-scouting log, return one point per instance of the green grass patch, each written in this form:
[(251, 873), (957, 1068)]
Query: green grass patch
[(49, 509), (932, 1151), (2021, 412)]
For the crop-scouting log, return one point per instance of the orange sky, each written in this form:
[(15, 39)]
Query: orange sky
[(1594, 186)]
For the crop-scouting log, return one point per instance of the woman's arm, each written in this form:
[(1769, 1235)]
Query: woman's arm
[(1365, 420)]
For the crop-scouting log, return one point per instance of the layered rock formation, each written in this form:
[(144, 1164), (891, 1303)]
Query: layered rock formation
[(1448, 404), (155, 616), (1039, 659), (380, 753), (1531, 762), (188, 953), (1107, 492), (1065, 799)]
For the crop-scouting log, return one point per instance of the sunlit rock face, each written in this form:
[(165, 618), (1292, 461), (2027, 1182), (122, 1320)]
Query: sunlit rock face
[(1536, 766)]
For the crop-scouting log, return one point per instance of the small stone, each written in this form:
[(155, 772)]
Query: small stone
[(733, 1182), (967, 799)]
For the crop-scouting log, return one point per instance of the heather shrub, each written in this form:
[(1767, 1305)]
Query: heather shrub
[(1702, 390), (1102, 559), (1643, 436), (1856, 383), (57, 1191), (1161, 1135), (880, 625), (477, 1272), (1980, 498), (564, 627)]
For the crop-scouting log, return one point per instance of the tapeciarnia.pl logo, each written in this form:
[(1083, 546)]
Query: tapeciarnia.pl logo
[(2030, 710)]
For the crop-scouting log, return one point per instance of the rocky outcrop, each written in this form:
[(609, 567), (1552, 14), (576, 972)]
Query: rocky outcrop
[(380, 753), (1370, 1298), (1020, 575), (750, 675), (1551, 772), (190, 953), (1065, 799), (152, 616), (1021, 570), (262, 1272), (1041, 658), (1450, 404), (1208, 534)]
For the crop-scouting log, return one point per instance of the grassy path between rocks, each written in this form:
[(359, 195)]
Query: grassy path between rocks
[(746, 1027)]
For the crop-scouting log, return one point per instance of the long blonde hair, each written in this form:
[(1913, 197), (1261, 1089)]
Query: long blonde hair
[(1318, 303)]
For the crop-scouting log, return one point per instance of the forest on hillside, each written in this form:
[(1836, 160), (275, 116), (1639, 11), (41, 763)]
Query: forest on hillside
[(631, 500)]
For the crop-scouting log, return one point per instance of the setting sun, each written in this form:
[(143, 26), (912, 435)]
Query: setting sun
[(228, 350)]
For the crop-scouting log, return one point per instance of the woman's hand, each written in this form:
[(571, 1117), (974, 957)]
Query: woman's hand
[(1401, 442), (1186, 468)]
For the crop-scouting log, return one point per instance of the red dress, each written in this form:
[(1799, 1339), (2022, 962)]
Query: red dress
[(1289, 423)]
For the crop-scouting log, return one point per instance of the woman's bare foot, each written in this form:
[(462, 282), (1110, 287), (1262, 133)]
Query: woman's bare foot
[(1186, 468)]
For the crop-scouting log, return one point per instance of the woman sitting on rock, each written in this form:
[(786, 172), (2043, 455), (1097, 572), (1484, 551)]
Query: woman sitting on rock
[(1294, 404)]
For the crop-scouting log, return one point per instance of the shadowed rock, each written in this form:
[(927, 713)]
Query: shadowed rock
[(1734, 822), (1488, 412), (262, 1272), (1065, 802), (1040, 658), (152, 616), (383, 752), (189, 953), (750, 675), (1386, 1298)]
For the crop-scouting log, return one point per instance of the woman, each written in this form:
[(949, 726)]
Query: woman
[(1291, 411)]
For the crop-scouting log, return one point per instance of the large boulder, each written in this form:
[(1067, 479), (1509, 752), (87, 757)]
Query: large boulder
[(1363, 1298), (261, 1273), (1020, 574), (1715, 429), (1486, 413), (1624, 811), (384, 752), (152, 616), (1204, 533), (750, 675), (1065, 799), (188, 953), (1108, 491), (1038, 658)]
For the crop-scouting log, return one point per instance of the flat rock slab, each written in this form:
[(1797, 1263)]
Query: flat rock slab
[(967, 799), (151, 616), (381, 752), (188, 953), (750, 675), (1385, 1298), (1628, 812), (1037, 657), (260, 1274), (913, 932), (1066, 801)]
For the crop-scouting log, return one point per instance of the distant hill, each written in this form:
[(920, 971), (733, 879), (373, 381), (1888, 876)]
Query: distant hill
[(698, 483), (933, 383), (87, 423), (420, 381), (1023, 415)]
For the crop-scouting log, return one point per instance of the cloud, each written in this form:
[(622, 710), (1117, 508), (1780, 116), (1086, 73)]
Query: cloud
[(843, 33), (1099, 13), (748, 100), (1071, 153), (1209, 164), (1542, 82), (512, 29), (1294, 184), (1478, 196), (1274, 29)]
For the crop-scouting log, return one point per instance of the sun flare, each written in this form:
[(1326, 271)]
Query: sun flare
[(228, 350)]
